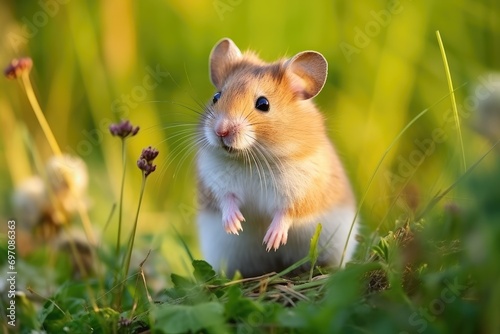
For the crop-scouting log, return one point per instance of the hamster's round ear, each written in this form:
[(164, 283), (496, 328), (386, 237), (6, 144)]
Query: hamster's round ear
[(307, 72), (223, 55)]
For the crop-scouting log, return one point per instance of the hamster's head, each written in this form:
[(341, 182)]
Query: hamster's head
[(265, 109)]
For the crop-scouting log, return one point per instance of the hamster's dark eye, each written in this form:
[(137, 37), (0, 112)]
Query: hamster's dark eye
[(262, 104), (216, 98)]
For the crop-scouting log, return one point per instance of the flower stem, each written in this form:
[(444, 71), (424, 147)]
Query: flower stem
[(118, 278), (132, 235), (120, 208), (39, 115)]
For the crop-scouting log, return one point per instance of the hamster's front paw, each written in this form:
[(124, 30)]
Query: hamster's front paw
[(232, 221), (231, 215), (277, 233)]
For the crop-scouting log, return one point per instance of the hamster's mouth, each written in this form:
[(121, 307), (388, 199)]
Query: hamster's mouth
[(229, 149), (230, 146)]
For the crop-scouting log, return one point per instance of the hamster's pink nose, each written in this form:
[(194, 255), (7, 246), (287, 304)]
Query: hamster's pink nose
[(221, 132)]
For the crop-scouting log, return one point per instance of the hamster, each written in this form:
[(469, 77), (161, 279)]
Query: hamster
[(267, 171)]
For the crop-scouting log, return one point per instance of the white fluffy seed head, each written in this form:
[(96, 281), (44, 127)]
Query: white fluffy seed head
[(34, 199), (30, 200), (65, 169)]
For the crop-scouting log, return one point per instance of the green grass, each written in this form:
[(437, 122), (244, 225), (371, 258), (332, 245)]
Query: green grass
[(428, 255)]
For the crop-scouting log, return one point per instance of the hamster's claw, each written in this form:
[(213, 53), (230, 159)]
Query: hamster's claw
[(231, 215), (277, 234), (232, 223), (275, 238)]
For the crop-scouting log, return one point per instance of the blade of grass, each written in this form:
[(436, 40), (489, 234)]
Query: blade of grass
[(313, 249), (452, 96), (67, 315), (384, 155), (183, 243), (139, 276)]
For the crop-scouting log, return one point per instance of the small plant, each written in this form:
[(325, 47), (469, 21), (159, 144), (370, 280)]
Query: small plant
[(145, 164), (123, 130)]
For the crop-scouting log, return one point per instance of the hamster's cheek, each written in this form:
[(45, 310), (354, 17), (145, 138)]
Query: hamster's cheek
[(245, 137)]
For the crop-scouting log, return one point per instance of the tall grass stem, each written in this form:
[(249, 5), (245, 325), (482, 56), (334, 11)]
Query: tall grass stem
[(452, 97)]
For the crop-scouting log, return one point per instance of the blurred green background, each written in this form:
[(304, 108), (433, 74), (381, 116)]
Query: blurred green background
[(91, 59)]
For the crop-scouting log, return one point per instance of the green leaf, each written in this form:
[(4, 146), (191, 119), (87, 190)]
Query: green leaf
[(238, 306), (313, 248), (172, 295), (181, 282), (203, 271), (184, 319)]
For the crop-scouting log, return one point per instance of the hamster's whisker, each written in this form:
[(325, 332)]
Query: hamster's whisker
[(190, 108), (260, 171), (184, 137), (200, 103), (274, 161), (245, 117), (260, 150), (259, 164), (161, 128), (202, 144), (192, 93), (187, 152), (277, 161), (182, 132), (209, 114), (247, 163), (177, 125), (250, 117), (244, 153)]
